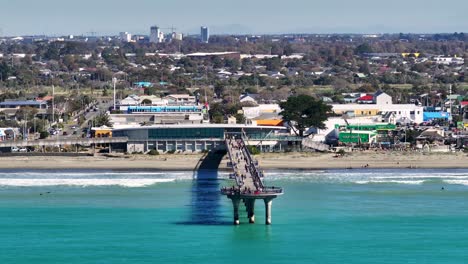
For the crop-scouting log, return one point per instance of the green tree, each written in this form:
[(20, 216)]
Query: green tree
[(240, 118), (26, 113), (304, 111), (273, 64), (146, 102), (43, 134), (363, 48), (102, 120)]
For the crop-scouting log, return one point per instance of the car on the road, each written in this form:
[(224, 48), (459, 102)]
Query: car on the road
[(74, 127), (65, 133), (23, 150)]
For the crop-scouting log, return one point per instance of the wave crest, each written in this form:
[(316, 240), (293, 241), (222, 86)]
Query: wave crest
[(82, 182)]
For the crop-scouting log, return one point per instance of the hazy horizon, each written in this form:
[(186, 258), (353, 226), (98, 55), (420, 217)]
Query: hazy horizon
[(106, 17)]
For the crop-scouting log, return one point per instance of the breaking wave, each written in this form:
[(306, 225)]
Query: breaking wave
[(274, 177), (85, 178), (373, 176), (82, 182)]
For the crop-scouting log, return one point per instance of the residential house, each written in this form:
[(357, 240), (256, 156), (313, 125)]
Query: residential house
[(18, 104), (381, 98), (252, 98), (366, 99), (181, 99)]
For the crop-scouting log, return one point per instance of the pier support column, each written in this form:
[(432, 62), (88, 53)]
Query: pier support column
[(250, 210), (268, 202), (235, 206)]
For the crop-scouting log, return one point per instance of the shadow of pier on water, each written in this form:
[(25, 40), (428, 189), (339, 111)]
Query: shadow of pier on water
[(205, 203)]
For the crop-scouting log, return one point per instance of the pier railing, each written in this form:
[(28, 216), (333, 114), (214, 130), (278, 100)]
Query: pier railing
[(240, 191), (253, 171), (249, 185)]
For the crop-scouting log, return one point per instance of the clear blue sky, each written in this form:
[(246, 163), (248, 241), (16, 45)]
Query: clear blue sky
[(56, 17)]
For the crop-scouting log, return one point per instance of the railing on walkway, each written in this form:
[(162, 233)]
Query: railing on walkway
[(273, 138), (252, 170)]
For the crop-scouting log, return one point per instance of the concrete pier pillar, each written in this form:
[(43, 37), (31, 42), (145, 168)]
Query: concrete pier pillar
[(251, 210), (268, 202), (235, 206)]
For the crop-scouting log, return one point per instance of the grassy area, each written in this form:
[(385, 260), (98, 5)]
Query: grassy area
[(62, 90), (401, 86), (462, 86)]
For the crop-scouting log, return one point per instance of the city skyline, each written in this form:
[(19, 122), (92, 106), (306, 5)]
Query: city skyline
[(53, 17)]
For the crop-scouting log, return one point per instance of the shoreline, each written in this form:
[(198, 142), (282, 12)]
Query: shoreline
[(267, 161)]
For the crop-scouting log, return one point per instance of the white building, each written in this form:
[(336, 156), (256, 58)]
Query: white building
[(156, 35), (125, 36), (449, 60), (134, 100), (248, 98), (180, 99), (177, 36), (404, 113), (382, 98), (256, 111), (330, 131)]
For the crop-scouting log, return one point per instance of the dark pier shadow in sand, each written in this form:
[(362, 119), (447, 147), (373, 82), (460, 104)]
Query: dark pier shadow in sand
[(205, 203)]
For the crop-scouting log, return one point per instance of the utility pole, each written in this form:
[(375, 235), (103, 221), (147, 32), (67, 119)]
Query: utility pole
[(114, 80), (53, 103), (450, 101), (25, 136)]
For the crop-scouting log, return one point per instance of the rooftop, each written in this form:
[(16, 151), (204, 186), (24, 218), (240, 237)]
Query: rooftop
[(21, 103), (124, 127)]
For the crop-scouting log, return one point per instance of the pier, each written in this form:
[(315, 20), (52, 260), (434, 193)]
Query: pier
[(249, 185)]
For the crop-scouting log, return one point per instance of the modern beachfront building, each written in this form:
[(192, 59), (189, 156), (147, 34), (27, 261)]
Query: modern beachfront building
[(201, 137), (380, 104), (402, 113), (135, 100), (168, 114)]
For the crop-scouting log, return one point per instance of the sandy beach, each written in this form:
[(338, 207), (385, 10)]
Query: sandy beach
[(266, 161)]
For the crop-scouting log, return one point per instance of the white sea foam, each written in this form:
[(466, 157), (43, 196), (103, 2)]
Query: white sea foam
[(179, 176), (389, 181), (87, 174), (459, 182), (367, 176), (82, 182)]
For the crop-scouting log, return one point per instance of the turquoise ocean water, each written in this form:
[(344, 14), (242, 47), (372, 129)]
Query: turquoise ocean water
[(333, 216)]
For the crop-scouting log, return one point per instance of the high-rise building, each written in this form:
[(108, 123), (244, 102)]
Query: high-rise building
[(205, 34), (125, 36), (177, 36), (156, 35)]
